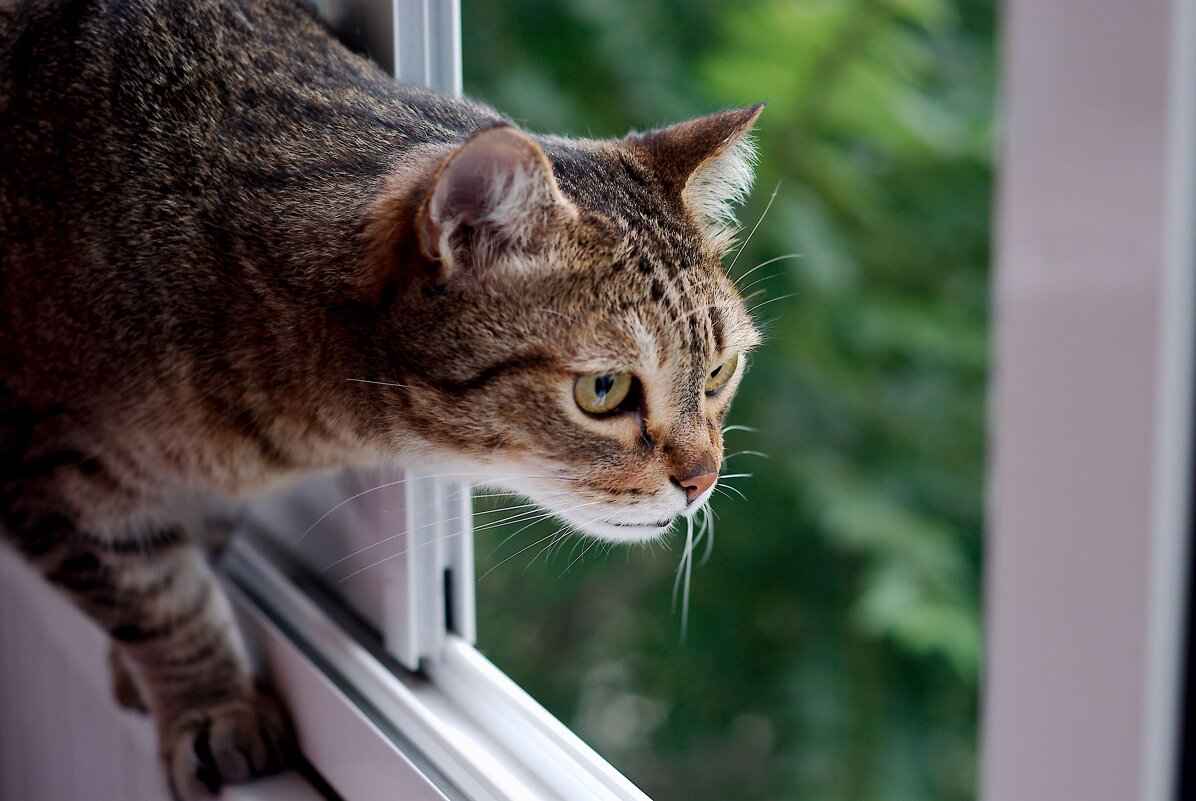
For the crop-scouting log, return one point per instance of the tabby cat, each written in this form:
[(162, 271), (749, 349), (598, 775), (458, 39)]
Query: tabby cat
[(218, 226)]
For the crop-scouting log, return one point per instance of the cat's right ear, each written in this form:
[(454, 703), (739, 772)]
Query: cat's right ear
[(491, 205)]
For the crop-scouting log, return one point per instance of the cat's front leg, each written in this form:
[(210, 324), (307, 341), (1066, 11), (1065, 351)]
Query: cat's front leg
[(158, 599)]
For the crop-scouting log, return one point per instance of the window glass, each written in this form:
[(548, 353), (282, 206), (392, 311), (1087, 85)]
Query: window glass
[(833, 642)]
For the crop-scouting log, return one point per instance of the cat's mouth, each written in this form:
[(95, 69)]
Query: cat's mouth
[(623, 531), (661, 524)]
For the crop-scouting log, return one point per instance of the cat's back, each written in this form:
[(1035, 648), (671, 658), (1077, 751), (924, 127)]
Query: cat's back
[(108, 99), (159, 154), (91, 86)]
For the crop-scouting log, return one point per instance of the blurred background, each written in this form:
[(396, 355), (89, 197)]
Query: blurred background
[(834, 644)]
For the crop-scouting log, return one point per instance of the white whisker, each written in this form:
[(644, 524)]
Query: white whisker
[(529, 525), (686, 565), (743, 247), (723, 487), (432, 542), (765, 264), (558, 538), (397, 555), (423, 526), (379, 383), (730, 456), (708, 530), (759, 281), (579, 556), (521, 550), (404, 480), (771, 300)]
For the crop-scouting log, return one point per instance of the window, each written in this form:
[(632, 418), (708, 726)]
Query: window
[(358, 590)]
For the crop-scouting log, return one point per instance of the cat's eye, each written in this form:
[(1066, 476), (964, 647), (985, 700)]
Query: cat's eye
[(601, 393), (719, 376)]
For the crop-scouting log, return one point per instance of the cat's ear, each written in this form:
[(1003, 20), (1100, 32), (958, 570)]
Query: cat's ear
[(709, 162), (491, 204)]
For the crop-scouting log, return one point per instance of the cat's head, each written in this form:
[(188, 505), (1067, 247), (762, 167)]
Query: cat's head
[(567, 330)]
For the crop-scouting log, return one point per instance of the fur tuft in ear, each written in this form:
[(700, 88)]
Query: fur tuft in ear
[(709, 162), (718, 187), (491, 204)]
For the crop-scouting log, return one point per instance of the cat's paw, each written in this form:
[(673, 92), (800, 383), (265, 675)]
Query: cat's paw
[(204, 749)]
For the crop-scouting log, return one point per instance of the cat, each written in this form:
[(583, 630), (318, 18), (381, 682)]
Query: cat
[(233, 252)]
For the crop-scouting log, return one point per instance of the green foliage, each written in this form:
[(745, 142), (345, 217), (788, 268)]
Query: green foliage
[(834, 641)]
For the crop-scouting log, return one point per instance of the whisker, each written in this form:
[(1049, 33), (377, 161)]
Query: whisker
[(593, 542), (421, 527), (738, 427), (345, 501), (734, 475), (379, 383), (521, 550), (529, 525), (770, 300), (580, 541), (761, 280), (708, 519), (404, 480), (559, 537), (677, 575), (400, 553), (434, 541), (477, 512), (743, 247), (686, 564), (537, 512), (765, 264), (493, 495), (730, 456), (732, 488), (516, 496)]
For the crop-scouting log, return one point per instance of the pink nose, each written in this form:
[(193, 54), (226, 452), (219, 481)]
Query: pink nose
[(694, 486)]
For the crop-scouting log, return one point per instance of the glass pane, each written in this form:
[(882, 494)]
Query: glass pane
[(348, 530), (833, 643)]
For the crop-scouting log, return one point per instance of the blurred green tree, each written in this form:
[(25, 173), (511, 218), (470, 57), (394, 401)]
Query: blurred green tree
[(834, 637)]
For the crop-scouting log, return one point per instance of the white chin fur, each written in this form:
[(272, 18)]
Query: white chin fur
[(621, 533), (583, 519)]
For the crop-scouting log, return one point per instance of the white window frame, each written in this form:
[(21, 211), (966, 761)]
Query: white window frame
[(1090, 514)]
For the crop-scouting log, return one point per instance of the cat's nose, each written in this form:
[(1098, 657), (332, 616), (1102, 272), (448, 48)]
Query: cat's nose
[(695, 485)]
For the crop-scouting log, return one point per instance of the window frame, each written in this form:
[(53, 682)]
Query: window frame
[(458, 729), (1089, 524)]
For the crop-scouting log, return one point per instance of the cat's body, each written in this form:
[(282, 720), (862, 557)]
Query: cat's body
[(216, 225)]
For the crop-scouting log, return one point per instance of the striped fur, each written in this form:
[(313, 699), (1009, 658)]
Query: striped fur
[(232, 252)]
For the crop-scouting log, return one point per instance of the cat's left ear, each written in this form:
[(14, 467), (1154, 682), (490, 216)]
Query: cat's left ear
[(492, 204), (708, 162)]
